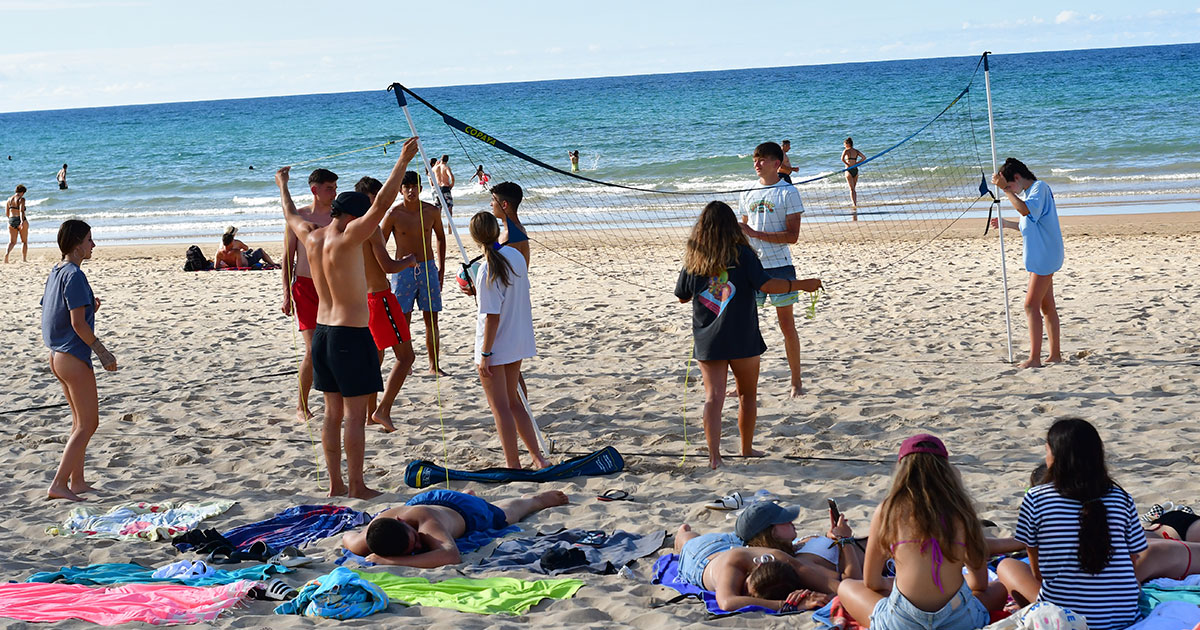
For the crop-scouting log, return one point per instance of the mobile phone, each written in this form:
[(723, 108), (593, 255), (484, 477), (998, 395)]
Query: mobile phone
[(833, 512)]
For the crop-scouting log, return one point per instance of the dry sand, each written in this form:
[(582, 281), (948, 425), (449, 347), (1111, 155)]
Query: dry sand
[(203, 406)]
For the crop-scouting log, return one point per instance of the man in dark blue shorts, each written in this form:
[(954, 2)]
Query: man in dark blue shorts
[(422, 532)]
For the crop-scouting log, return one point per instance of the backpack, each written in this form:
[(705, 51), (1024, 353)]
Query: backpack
[(196, 260)]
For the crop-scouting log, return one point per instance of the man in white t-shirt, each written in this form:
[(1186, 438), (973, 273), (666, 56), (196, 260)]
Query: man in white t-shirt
[(771, 220)]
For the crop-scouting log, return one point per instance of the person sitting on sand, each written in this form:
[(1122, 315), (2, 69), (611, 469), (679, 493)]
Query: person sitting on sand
[(421, 533), (237, 255), (345, 361), (743, 576)]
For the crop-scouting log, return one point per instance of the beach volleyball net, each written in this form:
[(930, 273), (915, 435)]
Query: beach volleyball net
[(908, 194)]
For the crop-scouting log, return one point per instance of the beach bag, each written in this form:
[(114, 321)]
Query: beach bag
[(606, 461), (196, 260)]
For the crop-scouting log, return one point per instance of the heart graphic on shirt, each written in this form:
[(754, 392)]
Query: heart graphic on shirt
[(719, 293)]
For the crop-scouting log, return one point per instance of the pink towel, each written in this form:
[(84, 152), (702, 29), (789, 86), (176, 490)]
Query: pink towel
[(158, 604)]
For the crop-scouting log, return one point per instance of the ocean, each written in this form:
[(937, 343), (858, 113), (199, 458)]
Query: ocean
[(1112, 130)]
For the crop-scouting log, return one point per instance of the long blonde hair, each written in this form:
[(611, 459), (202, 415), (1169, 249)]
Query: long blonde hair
[(928, 495), (486, 231), (714, 241)]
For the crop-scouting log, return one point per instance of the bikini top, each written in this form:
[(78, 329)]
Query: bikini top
[(936, 557)]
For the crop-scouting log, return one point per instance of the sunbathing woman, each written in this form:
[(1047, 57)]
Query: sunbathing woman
[(929, 527)]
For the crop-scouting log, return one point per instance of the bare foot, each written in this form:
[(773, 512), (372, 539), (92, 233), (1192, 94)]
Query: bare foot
[(470, 492), (303, 415), (364, 492), (797, 389), (540, 462), (753, 453), (683, 528), (436, 371), (714, 461), (1031, 362), (383, 420), (338, 490), (62, 493), (1054, 358), (550, 498), (81, 488)]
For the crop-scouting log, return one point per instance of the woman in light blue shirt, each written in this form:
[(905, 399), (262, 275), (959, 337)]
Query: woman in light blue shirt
[(1043, 240), (68, 328)]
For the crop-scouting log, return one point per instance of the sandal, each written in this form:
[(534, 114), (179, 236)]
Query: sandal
[(615, 495), (728, 502), (274, 589), (1157, 510), (291, 558)]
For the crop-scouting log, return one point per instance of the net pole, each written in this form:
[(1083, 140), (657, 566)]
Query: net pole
[(432, 184), (987, 84)]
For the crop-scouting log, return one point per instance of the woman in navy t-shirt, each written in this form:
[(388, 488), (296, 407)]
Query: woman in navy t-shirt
[(720, 276), (68, 328)]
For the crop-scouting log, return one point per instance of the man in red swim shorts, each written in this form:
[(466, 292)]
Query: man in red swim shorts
[(299, 293)]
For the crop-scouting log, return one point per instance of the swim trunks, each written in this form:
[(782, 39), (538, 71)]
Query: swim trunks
[(62, 185), (388, 324), (418, 283), (304, 301), (445, 193), (345, 361), (779, 299), (853, 171), (478, 514), (693, 558), (14, 222), (515, 234)]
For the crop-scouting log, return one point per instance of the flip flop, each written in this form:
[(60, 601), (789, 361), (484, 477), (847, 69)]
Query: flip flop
[(291, 557), (728, 502), (274, 589), (615, 495)]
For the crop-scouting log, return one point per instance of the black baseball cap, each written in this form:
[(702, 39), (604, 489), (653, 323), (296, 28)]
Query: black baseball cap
[(354, 204)]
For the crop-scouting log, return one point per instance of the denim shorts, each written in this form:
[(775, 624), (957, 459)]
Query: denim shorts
[(962, 612), (693, 558), (779, 299)]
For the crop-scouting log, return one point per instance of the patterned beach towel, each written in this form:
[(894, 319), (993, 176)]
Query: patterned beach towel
[(121, 573), (142, 520), (158, 604), (296, 526)]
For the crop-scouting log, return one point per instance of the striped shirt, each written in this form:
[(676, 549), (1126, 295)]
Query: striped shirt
[(1049, 522)]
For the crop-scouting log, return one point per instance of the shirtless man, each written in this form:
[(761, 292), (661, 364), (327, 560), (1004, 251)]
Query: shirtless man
[(18, 224), (389, 326), (345, 362), (62, 177), (298, 290), (445, 181), (236, 254), (411, 223), (785, 168), (719, 563), (422, 532)]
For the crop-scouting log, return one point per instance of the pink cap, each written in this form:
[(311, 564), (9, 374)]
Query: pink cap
[(914, 445)]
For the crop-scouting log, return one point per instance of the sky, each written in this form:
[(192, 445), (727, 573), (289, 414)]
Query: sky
[(57, 54)]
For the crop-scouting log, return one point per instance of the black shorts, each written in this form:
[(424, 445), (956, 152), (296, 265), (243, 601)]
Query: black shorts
[(62, 185), (787, 177), (345, 361), (254, 257)]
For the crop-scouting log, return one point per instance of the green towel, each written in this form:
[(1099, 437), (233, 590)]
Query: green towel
[(482, 595)]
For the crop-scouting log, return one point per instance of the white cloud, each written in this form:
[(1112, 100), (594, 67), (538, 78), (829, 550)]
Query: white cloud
[(1065, 16), (966, 25), (1157, 13)]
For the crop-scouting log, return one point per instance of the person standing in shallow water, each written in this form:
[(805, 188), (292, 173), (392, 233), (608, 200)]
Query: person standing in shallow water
[(1043, 245), (18, 224), (62, 177), (850, 157), (68, 329)]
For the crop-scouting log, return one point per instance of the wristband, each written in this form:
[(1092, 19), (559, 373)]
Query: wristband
[(102, 353), (848, 540), (485, 354)]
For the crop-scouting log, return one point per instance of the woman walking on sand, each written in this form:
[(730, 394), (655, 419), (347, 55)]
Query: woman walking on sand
[(18, 224), (68, 329), (1042, 237)]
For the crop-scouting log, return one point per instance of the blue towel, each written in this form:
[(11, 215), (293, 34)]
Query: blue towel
[(120, 573), (298, 526), (666, 572), (341, 594)]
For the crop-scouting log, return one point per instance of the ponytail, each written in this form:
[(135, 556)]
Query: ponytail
[(486, 231), (1078, 472)]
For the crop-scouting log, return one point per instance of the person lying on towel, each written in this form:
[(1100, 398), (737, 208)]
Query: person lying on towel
[(421, 533)]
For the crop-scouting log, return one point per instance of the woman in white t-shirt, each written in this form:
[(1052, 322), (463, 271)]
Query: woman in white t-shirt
[(504, 337)]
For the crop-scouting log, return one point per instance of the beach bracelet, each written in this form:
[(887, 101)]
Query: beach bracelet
[(849, 540), (485, 354)]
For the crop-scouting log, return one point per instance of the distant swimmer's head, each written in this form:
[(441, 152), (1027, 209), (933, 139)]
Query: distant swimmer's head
[(445, 159), (506, 197), (392, 538), (767, 158), (433, 161), (354, 204), (849, 142), (785, 145), (21, 189), (368, 186), (323, 184), (773, 580), (72, 234), (64, 166)]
